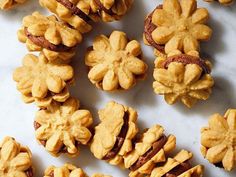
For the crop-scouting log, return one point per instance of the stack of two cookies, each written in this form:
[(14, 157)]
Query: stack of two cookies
[(174, 29), (117, 141)]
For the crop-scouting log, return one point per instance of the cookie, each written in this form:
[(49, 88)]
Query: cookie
[(67, 170), (9, 4), (111, 10), (15, 159), (218, 140), (43, 82), (63, 127), (113, 136), (115, 62), (177, 25), (149, 150), (224, 2), (77, 14), (184, 78), (54, 38), (179, 166)]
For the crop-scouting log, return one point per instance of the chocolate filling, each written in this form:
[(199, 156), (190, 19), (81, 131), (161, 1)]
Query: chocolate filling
[(149, 27), (74, 10), (187, 59), (156, 147), (42, 42), (29, 172), (101, 7), (178, 170), (119, 139)]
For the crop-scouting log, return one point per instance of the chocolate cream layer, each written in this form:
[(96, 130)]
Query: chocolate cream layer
[(156, 147), (149, 27), (119, 139), (74, 9), (44, 43), (187, 59)]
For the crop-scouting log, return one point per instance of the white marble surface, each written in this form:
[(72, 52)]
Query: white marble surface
[(17, 117)]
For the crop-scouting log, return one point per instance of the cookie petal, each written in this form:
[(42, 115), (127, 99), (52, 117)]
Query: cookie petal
[(216, 153), (211, 138), (201, 15), (118, 40), (98, 72), (110, 81), (101, 43), (162, 35), (192, 74), (172, 7), (201, 32), (136, 66), (188, 7), (229, 159), (126, 79)]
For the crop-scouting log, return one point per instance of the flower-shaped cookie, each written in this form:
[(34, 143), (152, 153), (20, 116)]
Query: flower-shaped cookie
[(182, 77), (110, 10), (219, 140), (149, 150), (15, 160), (178, 25), (54, 38), (179, 166), (115, 62), (42, 81), (77, 14), (9, 4), (67, 170), (62, 127), (224, 2), (113, 136)]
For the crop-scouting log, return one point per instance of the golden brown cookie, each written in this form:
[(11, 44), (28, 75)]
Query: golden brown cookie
[(67, 170), (9, 4), (184, 78), (113, 136), (115, 62), (41, 81), (219, 140), (54, 38), (63, 127), (179, 166), (224, 2), (77, 14), (151, 149), (177, 25), (15, 159), (110, 10)]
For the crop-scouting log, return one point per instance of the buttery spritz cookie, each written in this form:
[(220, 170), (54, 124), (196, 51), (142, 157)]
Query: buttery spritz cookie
[(224, 2), (77, 13), (43, 82), (179, 166), (9, 4), (115, 62), (63, 127), (150, 149), (111, 10), (67, 170), (183, 77), (177, 25), (15, 159), (54, 38), (219, 140), (113, 136)]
